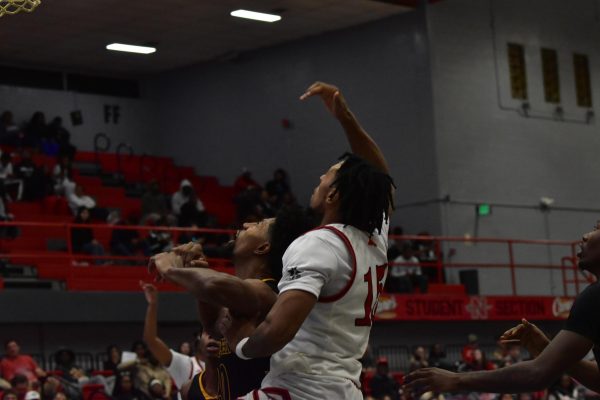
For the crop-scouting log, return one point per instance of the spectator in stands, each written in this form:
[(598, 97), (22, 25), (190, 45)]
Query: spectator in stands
[(437, 357), (35, 130), (6, 232), (469, 349), (185, 348), (367, 361), (145, 369), (64, 360), (182, 196), (406, 273), (565, 389), (245, 182), (159, 241), (59, 140), (425, 252), (113, 360), (192, 213), (127, 242), (157, 390), (60, 396), (61, 171), (396, 245), (278, 186), (154, 202), (513, 355), (82, 239), (32, 178), (21, 385), (9, 131), (125, 390), (7, 175), (419, 359), (10, 395), (32, 395), (79, 199), (479, 362), (384, 386), (15, 363)]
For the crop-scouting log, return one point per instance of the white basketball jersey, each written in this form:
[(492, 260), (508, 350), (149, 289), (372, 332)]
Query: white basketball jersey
[(346, 270)]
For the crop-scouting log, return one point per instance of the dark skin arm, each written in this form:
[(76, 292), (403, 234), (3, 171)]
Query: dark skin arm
[(280, 325), (565, 351), (360, 142), (156, 346)]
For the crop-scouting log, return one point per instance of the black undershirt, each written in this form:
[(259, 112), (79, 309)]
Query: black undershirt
[(584, 318)]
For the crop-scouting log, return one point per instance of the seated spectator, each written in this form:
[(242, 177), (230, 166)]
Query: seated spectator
[(564, 389), (469, 349), (384, 386), (185, 348), (35, 130), (9, 131), (190, 213), (159, 241), (82, 239), (64, 360), (157, 390), (31, 175), (513, 355), (61, 171), (125, 389), (154, 202), (21, 385), (78, 199), (245, 182), (62, 138), (437, 357), (278, 187), (7, 175), (396, 245), (6, 232), (113, 359), (145, 369), (419, 359), (405, 273), (127, 242), (10, 395), (32, 395), (478, 363), (60, 396), (182, 196), (16, 363), (425, 252)]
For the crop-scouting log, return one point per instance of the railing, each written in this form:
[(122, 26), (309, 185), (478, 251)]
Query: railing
[(451, 253)]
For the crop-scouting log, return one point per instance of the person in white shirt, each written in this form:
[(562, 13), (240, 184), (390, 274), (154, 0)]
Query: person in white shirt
[(405, 272), (319, 327), (77, 198), (182, 368), (7, 174)]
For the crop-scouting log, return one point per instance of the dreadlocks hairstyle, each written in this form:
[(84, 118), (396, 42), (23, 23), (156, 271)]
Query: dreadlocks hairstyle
[(365, 194), (290, 223)]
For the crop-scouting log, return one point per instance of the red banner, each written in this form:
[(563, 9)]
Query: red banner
[(471, 308)]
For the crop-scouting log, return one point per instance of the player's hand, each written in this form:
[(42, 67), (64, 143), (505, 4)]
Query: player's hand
[(430, 380), (191, 253), (164, 262), (331, 96), (150, 292), (528, 335)]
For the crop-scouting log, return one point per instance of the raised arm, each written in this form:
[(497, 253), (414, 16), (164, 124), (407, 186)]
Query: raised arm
[(565, 351), (360, 142), (157, 347), (244, 298), (535, 341)]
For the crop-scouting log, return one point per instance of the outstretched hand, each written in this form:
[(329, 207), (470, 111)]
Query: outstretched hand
[(331, 96), (162, 263), (528, 335), (430, 380), (192, 255), (150, 292)]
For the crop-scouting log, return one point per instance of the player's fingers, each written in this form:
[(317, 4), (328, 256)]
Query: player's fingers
[(199, 264), (312, 92), (507, 341)]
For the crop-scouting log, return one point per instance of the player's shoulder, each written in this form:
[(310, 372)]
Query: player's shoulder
[(590, 293)]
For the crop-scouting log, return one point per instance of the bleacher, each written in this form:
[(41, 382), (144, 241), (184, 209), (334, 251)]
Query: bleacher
[(39, 254)]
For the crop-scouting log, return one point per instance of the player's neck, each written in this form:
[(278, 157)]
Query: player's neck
[(252, 268), (330, 217)]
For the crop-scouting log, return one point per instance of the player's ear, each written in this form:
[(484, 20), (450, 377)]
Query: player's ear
[(332, 196), (263, 249)]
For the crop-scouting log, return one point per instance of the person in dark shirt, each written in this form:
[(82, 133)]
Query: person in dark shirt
[(383, 386), (113, 359), (82, 239), (564, 353)]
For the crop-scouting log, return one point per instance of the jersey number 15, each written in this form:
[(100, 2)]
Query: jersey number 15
[(370, 305)]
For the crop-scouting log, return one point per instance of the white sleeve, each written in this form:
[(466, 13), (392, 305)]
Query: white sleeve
[(181, 369), (309, 263)]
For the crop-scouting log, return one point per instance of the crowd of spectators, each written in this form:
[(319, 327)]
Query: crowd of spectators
[(133, 375), (385, 385)]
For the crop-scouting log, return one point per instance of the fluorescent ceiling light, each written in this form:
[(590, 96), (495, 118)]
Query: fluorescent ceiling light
[(129, 48), (255, 15)]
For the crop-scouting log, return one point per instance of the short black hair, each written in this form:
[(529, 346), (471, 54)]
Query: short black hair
[(290, 222), (365, 194)]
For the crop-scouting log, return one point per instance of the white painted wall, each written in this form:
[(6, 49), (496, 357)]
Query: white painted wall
[(135, 125)]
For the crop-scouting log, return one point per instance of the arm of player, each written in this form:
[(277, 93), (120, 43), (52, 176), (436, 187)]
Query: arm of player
[(157, 347), (360, 142), (280, 325), (535, 341), (566, 350), (244, 298)]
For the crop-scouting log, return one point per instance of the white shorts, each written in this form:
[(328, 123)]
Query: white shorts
[(305, 387)]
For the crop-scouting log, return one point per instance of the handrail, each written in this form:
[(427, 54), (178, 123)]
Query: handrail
[(567, 264)]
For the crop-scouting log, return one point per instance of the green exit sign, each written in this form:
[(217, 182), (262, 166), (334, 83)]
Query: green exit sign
[(483, 210)]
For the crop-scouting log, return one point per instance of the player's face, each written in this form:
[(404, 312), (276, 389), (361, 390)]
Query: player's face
[(318, 199), (209, 347), (589, 255), (252, 238)]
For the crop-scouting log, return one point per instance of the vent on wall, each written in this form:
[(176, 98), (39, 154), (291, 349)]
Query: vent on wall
[(583, 84), (551, 77), (24, 77), (518, 71)]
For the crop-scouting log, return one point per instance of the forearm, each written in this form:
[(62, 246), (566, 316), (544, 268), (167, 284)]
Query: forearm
[(521, 377), (267, 339), (156, 346), (360, 142), (586, 373)]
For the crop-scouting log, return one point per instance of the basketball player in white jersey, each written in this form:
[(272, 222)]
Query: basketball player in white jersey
[(320, 324)]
